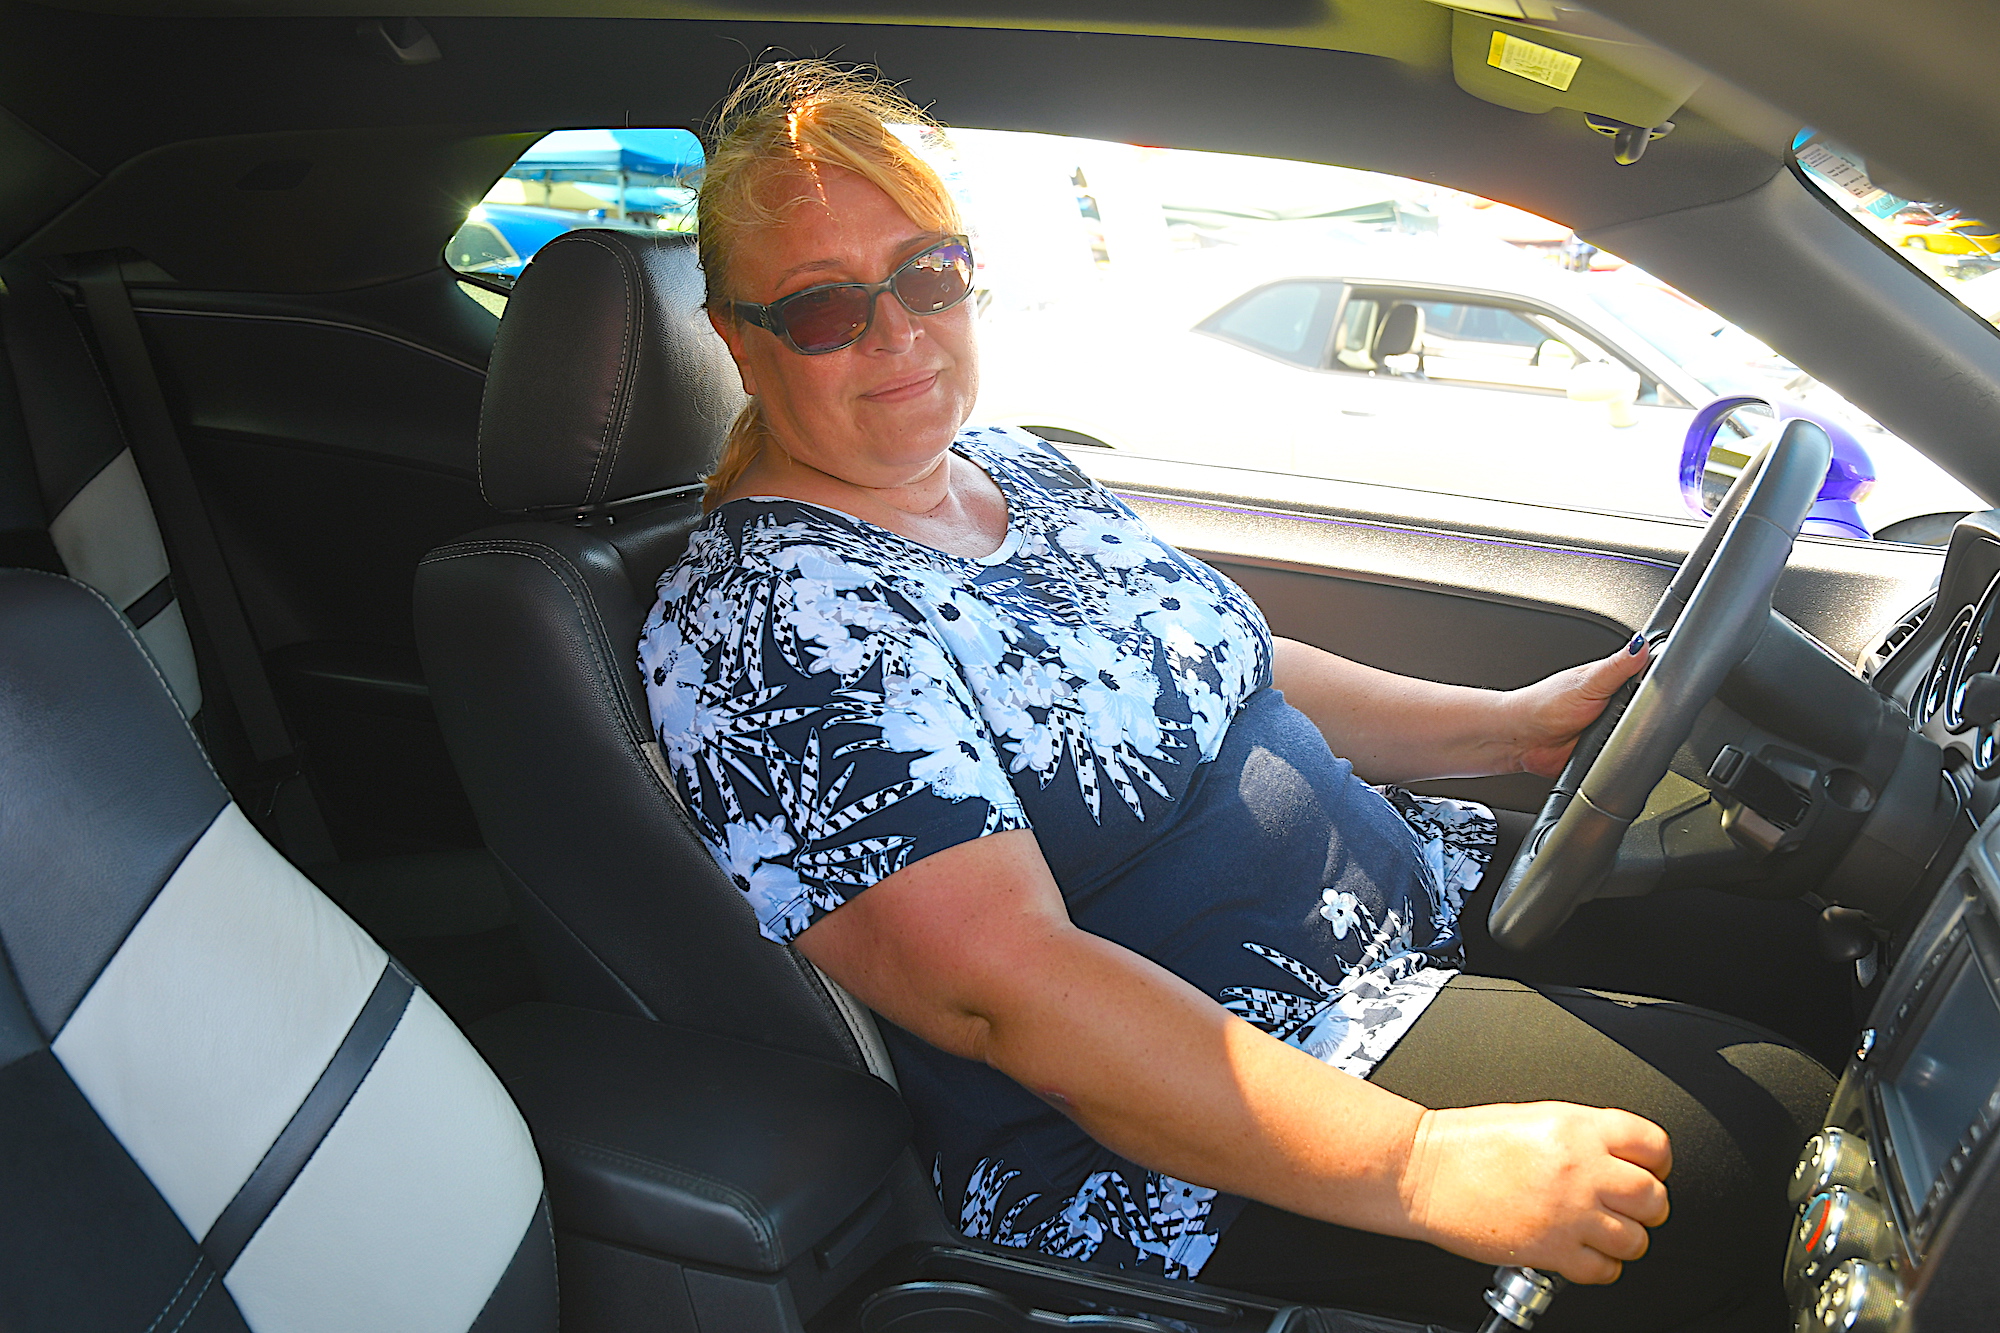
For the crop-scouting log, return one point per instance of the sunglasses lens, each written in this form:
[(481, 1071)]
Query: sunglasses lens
[(827, 319), (936, 279)]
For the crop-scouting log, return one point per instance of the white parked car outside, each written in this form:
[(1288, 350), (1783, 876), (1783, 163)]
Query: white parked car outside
[(1329, 351)]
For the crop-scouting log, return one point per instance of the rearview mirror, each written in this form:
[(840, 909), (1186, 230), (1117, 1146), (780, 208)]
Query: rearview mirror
[(1726, 434)]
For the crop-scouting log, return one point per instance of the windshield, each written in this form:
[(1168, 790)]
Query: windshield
[(1959, 252), (1294, 319)]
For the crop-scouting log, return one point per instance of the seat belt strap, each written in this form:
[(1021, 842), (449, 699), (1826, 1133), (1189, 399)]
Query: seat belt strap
[(208, 592)]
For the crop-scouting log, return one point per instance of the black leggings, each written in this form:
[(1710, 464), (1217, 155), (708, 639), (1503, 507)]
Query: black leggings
[(1737, 1101)]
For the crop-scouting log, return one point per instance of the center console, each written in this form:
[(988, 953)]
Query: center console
[(1898, 1224)]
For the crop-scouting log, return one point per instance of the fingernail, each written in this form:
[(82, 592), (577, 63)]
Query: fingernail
[(1638, 642)]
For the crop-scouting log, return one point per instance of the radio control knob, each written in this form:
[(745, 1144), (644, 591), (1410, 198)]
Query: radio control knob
[(1857, 1297), (1832, 1157), (1837, 1225)]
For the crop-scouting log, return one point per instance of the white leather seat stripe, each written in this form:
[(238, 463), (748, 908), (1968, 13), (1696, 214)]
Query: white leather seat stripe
[(409, 1212), (166, 638), (216, 1015), (107, 537)]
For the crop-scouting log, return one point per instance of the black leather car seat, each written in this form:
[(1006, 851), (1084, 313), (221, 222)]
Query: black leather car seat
[(1401, 334), (71, 498), (607, 397), (222, 1106)]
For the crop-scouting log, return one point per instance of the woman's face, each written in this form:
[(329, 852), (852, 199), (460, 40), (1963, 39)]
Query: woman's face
[(883, 412)]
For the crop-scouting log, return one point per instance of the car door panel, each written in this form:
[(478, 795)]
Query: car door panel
[(335, 441), (1438, 635), (1472, 591)]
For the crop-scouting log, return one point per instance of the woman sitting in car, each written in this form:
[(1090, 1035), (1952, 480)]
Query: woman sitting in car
[(1169, 987)]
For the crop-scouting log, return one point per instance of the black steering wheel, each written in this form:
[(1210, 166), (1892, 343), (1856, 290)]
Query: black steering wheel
[(1706, 623)]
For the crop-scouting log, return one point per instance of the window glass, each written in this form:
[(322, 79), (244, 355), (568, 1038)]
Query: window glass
[(1284, 319), (638, 178), (478, 247), (1234, 311), (1354, 348), (1959, 251)]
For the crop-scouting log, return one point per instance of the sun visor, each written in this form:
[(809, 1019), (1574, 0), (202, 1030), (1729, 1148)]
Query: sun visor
[(1571, 60)]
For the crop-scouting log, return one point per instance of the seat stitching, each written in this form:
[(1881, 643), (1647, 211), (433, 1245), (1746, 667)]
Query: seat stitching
[(645, 1010), (635, 730), (359, 330), (502, 544), (587, 613), (709, 1187), (195, 1304), (147, 657), (635, 312), (177, 1295), (521, 547), (621, 400), (457, 549), (549, 1229)]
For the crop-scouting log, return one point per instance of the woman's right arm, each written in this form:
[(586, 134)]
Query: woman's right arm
[(973, 950)]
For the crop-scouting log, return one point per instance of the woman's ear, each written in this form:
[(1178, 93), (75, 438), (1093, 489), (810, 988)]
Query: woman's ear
[(731, 333)]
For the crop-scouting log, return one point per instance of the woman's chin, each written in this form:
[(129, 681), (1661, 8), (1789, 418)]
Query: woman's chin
[(915, 430)]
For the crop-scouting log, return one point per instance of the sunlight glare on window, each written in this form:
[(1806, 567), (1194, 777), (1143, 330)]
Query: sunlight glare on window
[(1272, 320)]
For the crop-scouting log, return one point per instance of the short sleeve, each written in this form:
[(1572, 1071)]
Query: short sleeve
[(820, 736)]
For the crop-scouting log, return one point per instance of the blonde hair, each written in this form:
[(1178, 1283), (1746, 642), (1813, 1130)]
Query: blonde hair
[(782, 117)]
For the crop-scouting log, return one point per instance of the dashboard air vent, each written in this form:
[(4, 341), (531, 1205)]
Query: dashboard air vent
[(1898, 634)]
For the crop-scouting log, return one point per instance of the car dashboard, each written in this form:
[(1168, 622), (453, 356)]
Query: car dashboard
[(1897, 1199), (1939, 654)]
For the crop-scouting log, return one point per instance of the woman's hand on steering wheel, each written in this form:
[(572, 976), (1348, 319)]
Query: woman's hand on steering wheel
[(1550, 714), (1562, 1188)]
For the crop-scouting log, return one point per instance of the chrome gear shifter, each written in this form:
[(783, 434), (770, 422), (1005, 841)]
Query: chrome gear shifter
[(1519, 1296)]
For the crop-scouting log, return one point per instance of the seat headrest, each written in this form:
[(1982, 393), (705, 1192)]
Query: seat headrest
[(606, 381), (1402, 331)]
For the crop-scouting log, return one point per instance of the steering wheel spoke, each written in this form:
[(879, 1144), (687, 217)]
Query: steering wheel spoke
[(1711, 616)]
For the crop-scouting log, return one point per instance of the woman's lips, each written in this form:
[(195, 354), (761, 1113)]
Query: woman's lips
[(904, 388)]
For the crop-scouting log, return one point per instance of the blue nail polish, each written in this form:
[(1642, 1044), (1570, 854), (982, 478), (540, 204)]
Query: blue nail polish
[(1638, 642)]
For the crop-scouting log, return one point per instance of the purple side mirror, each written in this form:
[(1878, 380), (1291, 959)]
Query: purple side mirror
[(1849, 477)]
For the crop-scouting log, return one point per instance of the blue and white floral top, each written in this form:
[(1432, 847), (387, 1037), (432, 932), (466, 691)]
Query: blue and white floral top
[(837, 702)]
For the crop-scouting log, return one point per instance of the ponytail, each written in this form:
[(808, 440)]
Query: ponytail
[(747, 435)]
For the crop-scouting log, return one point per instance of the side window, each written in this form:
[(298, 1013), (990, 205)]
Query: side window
[(1286, 319), (478, 247), (1354, 345), (641, 179), (1260, 316), (1487, 345)]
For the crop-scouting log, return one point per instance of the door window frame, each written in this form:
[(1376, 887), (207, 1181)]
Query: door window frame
[(1653, 391)]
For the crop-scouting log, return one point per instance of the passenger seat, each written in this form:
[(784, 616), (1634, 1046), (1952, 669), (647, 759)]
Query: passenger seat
[(224, 1107)]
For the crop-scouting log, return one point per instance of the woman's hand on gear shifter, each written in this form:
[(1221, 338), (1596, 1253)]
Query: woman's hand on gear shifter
[(1561, 1188)]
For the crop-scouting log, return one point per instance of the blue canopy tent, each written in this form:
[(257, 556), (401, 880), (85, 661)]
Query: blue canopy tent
[(629, 160)]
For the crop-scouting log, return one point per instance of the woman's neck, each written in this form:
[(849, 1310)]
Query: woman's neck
[(954, 507)]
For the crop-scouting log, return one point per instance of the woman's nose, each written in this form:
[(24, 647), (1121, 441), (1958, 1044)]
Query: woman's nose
[(895, 328)]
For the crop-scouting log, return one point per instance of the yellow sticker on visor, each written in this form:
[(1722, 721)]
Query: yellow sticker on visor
[(1543, 64)]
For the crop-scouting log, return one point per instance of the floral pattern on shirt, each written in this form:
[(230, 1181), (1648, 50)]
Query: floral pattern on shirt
[(836, 702), (794, 650)]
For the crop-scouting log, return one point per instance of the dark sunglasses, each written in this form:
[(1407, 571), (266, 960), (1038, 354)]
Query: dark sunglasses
[(839, 314)]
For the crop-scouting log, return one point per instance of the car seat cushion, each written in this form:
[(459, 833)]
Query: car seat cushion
[(329, 1151)]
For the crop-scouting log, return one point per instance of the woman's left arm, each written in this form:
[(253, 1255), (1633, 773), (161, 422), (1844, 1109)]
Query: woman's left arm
[(1399, 729)]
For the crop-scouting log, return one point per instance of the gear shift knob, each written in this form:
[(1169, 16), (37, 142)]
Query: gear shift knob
[(1518, 1297)]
